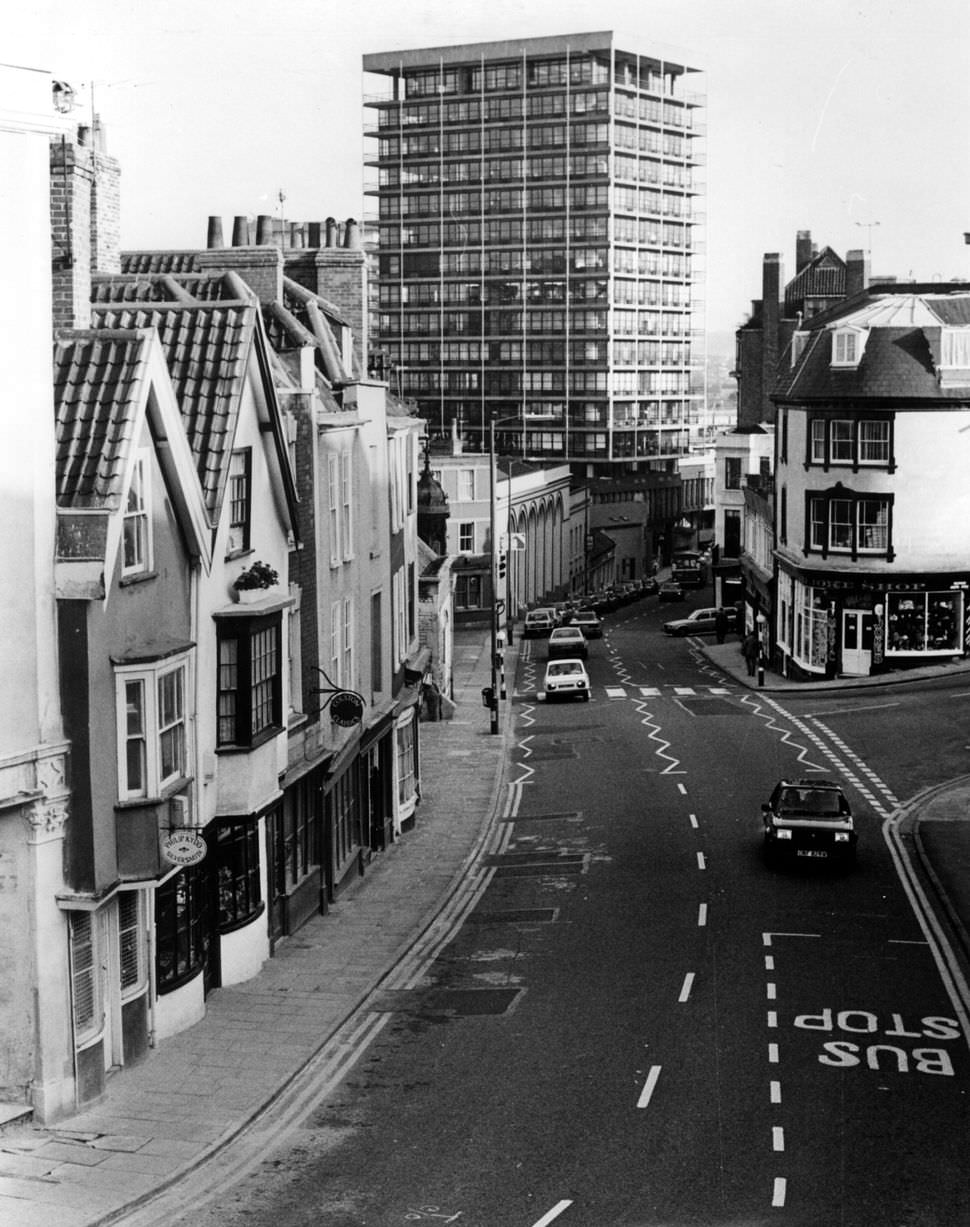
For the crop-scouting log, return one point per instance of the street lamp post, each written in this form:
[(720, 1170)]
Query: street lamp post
[(493, 706)]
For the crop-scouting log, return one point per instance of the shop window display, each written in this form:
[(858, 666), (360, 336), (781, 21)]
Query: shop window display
[(923, 622)]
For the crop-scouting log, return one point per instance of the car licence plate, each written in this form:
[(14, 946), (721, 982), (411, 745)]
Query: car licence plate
[(809, 852)]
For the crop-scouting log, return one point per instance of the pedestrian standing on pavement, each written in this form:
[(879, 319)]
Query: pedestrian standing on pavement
[(749, 649), (720, 625)]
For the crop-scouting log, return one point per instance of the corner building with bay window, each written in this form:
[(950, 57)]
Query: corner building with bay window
[(538, 243), (872, 544)]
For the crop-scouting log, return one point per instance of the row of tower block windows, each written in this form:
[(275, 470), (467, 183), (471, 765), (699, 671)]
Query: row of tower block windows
[(509, 324), (577, 69), (644, 231), (646, 263), (503, 109), (417, 381), (669, 175), (442, 143), (539, 353)]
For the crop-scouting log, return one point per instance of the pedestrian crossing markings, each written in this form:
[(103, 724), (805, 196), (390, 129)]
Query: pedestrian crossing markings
[(657, 692)]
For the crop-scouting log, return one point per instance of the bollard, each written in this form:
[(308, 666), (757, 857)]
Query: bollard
[(761, 672)]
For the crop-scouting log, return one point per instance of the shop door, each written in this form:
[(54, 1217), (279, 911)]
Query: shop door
[(856, 642)]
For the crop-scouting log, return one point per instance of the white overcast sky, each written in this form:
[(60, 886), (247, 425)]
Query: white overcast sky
[(848, 118)]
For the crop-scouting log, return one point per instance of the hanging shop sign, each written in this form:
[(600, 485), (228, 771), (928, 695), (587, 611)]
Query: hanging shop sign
[(184, 847)]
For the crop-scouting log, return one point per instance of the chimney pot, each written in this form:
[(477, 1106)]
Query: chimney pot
[(351, 234), (264, 230), (313, 234), (330, 227), (240, 232), (214, 235)]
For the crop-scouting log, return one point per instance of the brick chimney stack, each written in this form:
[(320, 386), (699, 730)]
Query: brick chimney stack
[(804, 250), (85, 221), (341, 276), (856, 272), (771, 291)]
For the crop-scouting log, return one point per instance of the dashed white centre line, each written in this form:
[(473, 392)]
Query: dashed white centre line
[(687, 986), (773, 1053), (693, 820), (774, 1091), (777, 1137), (769, 962), (772, 1018), (701, 914), (778, 1192), (648, 1086), (701, 863), (682, 789), (771, 991)]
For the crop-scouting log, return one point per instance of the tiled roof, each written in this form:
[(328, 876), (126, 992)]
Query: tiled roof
[(97, 376), (158, 262), (822, 277), (207, 348), (150, 287)]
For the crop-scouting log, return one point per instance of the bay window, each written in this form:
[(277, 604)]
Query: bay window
[(151, 721), (250, 677)]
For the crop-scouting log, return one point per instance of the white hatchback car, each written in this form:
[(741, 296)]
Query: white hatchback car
[(566, 679)]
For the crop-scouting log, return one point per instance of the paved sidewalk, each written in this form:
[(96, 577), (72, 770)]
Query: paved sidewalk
[(196, 1091)]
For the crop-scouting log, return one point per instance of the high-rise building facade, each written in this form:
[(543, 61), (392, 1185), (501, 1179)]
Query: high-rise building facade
[(538, 215)]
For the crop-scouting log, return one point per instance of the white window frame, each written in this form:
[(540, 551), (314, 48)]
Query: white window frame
[(882, 442), (336, 609), (346, 505), (817, 441), (347, 647), (138, 517), (466, 485), (466, 537), (848, 345), (333, 496), (149, 678)]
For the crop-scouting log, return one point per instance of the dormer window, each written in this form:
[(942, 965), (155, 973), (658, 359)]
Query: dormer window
[(955, 357), (847, 346), (798, 342)]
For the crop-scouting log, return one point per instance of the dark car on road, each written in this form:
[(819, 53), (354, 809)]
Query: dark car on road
[(670, 590), (809, 820), (566, 642), (588, 622)]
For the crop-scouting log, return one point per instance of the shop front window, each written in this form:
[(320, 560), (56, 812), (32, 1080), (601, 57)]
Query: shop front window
[(924, 622)]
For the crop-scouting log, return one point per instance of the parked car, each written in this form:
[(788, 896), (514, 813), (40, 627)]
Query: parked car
[(566, 679), (649, 585), (588, 621), (701, 621), (566, 642), (809, 819), (538, 623), (670, 590)]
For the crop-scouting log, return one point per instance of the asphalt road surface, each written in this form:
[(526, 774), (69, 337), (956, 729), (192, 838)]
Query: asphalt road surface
[(639, 1023)]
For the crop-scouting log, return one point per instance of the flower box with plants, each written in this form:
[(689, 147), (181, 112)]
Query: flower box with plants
[(253, 583)]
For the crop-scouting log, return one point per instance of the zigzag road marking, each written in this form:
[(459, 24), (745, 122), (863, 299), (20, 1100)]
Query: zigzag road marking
[(648, 720), (786, 737), (841, 767)]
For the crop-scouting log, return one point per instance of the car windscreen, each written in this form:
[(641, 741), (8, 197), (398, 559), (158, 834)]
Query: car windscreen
[(562, 669), (812, 803)]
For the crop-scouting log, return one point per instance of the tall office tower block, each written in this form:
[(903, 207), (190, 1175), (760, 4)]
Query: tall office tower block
[(538, 213)]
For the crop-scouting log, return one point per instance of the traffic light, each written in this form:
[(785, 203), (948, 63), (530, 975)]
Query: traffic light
[(502, 560)]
